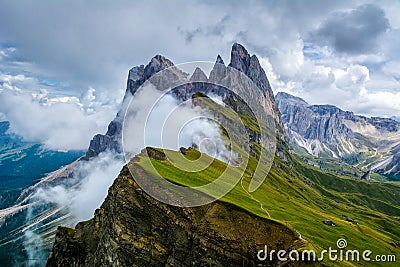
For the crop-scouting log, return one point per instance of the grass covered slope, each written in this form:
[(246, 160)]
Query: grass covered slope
[(301, 198)]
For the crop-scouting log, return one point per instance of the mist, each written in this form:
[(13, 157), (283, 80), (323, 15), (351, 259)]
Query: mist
[(170, 124), (92, 179), (57, 123), (167, 124)]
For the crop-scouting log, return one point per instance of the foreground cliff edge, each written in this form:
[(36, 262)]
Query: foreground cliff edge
[(133, 229)]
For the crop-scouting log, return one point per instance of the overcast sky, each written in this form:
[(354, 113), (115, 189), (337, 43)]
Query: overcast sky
[(57, 56)]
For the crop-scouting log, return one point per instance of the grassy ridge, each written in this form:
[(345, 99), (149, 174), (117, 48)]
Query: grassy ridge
[(301, 197)]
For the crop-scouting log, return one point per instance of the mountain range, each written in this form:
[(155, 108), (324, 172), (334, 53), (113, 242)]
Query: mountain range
[(288, 210), (240, 60), (325, 131)]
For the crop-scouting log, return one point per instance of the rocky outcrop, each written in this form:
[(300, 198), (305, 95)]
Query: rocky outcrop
[(101, 142), (136, 77), (327, 131), (366, 176), (240, 60), (249, 65), (198, 75), (133, 229), (323, 123)]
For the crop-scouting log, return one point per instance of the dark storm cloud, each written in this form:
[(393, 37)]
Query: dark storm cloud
[(354, 32)]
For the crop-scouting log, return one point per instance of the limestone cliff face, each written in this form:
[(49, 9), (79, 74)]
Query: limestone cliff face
[(327, 131), (249, 65), (136, 77), (133, 229), (240, 60)]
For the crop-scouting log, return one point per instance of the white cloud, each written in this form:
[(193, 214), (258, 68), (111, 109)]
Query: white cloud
[(93, 178), (350, 88), (101, 51), (60, 123), (170, 125)]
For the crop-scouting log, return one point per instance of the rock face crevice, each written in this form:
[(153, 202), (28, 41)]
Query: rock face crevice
[(133, 229)]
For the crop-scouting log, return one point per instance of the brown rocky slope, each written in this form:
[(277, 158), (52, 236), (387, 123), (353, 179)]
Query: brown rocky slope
[(133, 229)]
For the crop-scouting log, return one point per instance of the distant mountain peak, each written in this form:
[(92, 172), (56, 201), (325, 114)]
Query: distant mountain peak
[(288, 97), (198, 75)]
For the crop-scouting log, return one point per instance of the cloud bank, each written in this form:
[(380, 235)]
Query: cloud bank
[(60, 123), (158, 120), (91, 181), (302, 40)]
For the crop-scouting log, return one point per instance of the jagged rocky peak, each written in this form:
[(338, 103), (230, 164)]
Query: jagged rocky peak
[(249, 65), (328, 131), (219, 60), (218, 71), (257, 73), (136, 77), (139, 74), (157, 63), (198, 76), (240, 58), (242, 61), (136, 73)]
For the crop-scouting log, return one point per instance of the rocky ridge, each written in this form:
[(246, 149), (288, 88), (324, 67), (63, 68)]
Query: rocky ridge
[(240, 60), (327, 131)]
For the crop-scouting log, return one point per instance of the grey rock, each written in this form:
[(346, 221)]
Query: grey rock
[(136, 77), (198, 75), (240, 60), (329, 222), (101, 143), (327, 131), (219, 60), (366, 176)]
